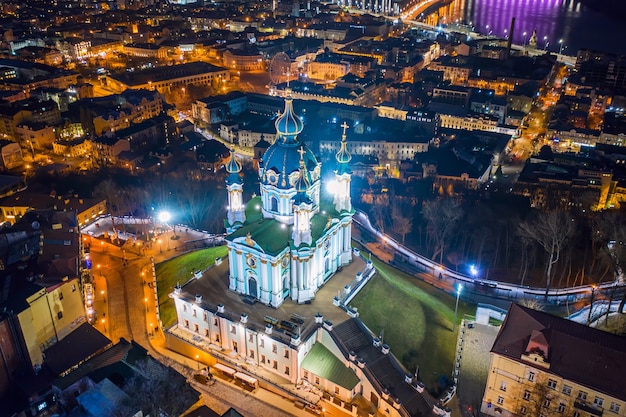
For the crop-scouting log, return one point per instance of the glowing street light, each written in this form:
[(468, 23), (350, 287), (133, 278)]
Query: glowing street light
[(560, 46), (145, 301), (160, 247), (459, 288)]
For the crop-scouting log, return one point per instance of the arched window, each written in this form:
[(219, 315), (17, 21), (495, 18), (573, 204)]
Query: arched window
[(273, 204)]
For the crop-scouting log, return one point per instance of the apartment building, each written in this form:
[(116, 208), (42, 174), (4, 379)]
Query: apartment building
[(543, 365)]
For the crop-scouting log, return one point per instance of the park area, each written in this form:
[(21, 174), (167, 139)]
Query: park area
[(414, 318), (179, 270)]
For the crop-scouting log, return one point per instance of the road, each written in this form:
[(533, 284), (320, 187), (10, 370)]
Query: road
[(126, 300)]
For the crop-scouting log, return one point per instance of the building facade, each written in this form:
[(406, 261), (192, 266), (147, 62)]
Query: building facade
[(297, 245), (543, 365)]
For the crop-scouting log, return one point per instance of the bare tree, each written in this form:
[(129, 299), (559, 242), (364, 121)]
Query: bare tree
[(442, 215), (551, 231), (402, 218), (157, 390)]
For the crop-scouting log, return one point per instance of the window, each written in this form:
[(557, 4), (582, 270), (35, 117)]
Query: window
[(233, 329), (531, 376), (551, 384), (73, 287), (582, 395), (251, 354), (523, 410), (546, 403), (275, 365), (567, 390), (60, 315), (217, 338), (195, 313), (576, 414), (336, 390), (502, 386), (500, 400), (206, 332), (286, 354), (561, 408), (274, 348), (60, 295), (614, 408), (526, 395), (196, 328), (185, 307), (262, 358), (317, 380), (262, 343), (286, 370), (306, 375), (250, 337), (186, 323), (598, 401), (206, 317)]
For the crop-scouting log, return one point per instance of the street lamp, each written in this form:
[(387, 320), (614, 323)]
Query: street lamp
[(104, 325), (145, 301), (560, 46), (160, 247), (459, 288), (545, 42), (524, 39)]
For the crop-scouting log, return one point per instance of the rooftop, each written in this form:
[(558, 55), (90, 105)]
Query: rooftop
[(577, 353), (213, 287)]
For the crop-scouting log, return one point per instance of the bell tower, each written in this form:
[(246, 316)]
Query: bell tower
[(343, 175), (302, 207), (236, 215)]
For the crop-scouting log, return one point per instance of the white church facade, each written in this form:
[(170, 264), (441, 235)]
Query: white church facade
[(286, 243)]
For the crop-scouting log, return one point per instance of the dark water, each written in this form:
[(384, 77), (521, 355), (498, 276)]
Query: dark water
[(567, 20)]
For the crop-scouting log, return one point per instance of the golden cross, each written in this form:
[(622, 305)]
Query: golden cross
[(345, 127), (301, 151)]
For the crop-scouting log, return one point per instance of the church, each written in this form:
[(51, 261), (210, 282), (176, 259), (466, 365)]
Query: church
[(287, 242)]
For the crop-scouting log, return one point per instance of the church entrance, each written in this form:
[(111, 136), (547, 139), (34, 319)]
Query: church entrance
[(252, 288)]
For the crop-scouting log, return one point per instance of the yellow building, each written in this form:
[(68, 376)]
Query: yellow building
[(545, 366), (15, 206), (49, 314)]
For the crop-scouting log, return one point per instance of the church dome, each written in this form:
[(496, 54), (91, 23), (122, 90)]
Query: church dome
[(281, 161), (288, 124)]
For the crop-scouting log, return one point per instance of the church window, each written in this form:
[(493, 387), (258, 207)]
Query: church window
[(273, 204), (233, 329), (274, 348), (275, 365)]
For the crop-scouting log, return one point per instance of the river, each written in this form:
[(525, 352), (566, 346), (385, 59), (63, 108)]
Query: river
[(565, 25)]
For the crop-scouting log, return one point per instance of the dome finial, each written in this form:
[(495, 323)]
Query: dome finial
[(343, 156), (233, 166), (288, 125)]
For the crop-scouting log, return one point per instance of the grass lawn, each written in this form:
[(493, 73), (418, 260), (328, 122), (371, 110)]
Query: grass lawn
[(180, 270), (417, 321)]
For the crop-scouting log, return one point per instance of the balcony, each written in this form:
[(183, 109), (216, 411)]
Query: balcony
[(588, 408)]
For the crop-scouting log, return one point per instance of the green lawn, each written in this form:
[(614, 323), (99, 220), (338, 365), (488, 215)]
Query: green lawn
[(180, 270), (416, 318)]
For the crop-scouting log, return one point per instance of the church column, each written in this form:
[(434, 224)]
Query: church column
[(264, 282), (232, 266), (293, 275), (241, 277)]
